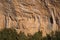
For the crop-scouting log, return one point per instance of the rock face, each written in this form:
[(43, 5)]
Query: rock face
[(30, 16)]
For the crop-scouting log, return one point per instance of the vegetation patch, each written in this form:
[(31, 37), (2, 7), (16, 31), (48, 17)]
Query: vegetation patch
[(9, 34)]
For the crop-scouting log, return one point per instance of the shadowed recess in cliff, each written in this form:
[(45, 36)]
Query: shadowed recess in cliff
[(51, 20)]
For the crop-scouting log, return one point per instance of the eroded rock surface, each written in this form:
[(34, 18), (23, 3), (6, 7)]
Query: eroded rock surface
[(30, 16)]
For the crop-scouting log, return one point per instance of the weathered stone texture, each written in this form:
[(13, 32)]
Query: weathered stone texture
[(30, 16)]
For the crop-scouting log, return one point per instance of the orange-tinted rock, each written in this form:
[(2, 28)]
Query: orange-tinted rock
[(30, 16)]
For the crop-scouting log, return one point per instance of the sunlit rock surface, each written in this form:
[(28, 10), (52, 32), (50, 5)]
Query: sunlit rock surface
[(30, 16)]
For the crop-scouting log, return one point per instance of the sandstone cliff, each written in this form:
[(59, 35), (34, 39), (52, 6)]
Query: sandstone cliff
[(30, 16)]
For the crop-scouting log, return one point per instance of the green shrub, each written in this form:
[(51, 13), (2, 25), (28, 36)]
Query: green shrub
[(8, 34), (56, 36), (22, 36), (36, 36), (53, 36)]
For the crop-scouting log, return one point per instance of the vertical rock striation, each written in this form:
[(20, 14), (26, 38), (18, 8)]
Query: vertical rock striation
[(30, 16)]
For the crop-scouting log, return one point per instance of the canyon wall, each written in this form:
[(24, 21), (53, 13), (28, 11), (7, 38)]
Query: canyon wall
[(30, 16)]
